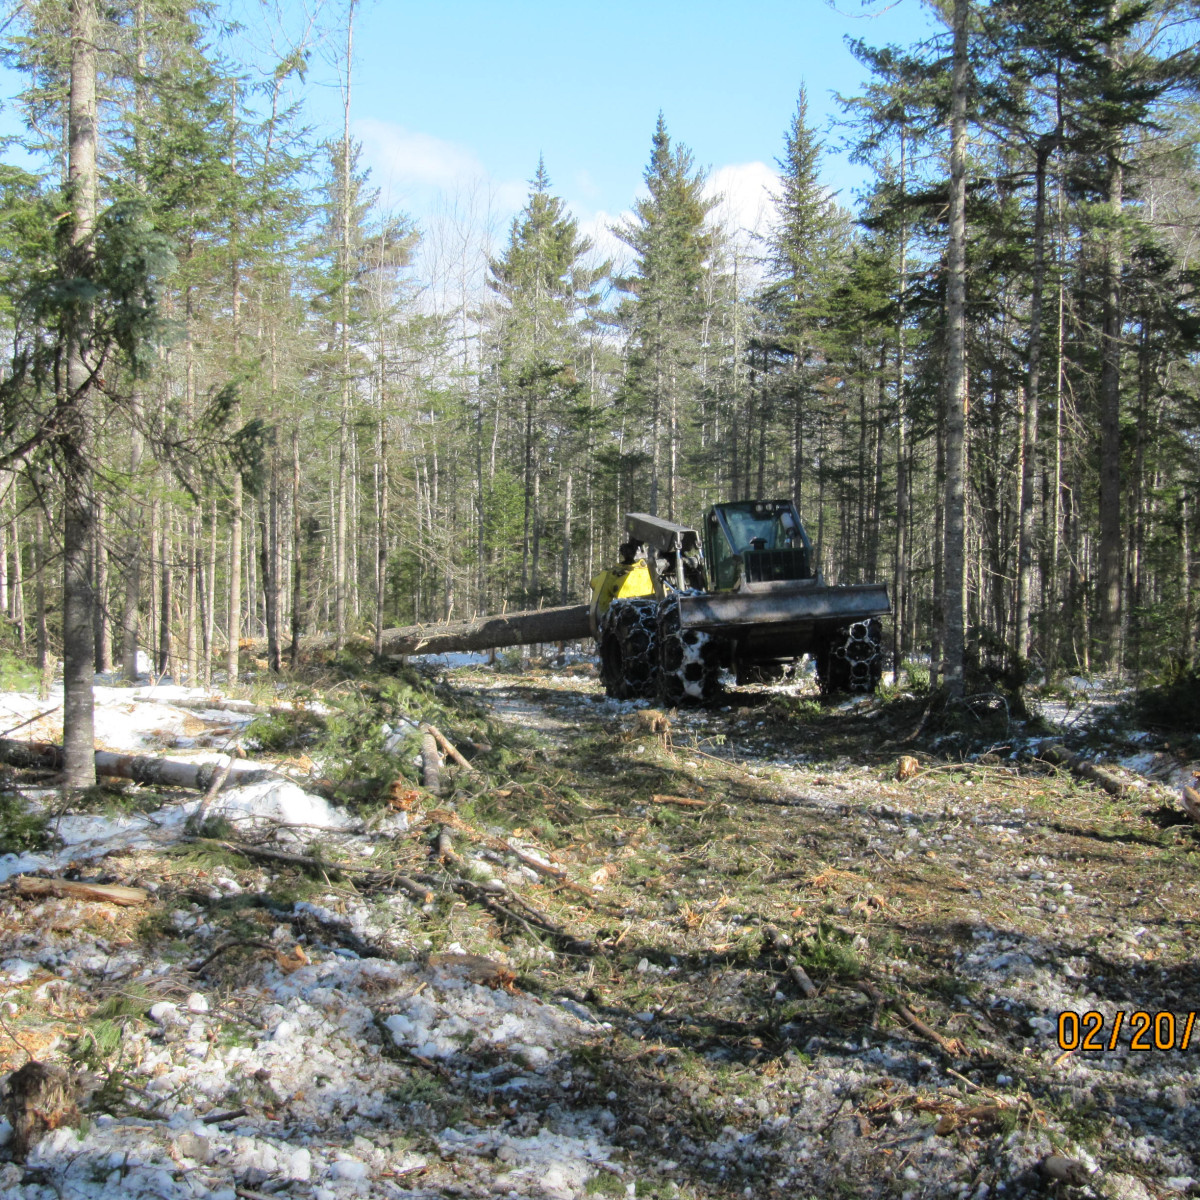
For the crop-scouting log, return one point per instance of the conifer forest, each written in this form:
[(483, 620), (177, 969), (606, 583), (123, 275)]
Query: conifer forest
[(244, 400), (297, 899)]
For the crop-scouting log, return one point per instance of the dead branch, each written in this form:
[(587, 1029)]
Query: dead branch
[(506, 847), (679, 801), (447, 747), (950, 1046), (1191, 803), (109, 893), (1060, 756)]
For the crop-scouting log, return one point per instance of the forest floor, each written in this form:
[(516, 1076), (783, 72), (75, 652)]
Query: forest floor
[(589, 986)]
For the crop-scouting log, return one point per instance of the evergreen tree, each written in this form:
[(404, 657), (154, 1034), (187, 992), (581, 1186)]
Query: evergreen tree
[(664, 316), (545, 286)]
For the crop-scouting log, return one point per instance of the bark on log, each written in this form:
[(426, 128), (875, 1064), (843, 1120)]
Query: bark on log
[(431, 763), (110, 893), (1085, 769), (155, 772), (483, 633)]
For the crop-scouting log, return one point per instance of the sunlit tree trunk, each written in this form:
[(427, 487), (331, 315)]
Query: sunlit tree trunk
[(954, 555), (79, 653)]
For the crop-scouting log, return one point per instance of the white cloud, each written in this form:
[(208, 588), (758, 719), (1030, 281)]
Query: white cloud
[(598, 227), (746, 190), (406, 159)]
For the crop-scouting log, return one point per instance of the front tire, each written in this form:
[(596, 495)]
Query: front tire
[(629, 650)]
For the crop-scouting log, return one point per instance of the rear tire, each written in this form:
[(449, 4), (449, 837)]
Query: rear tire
[(690, 660), (852, 660), (629, 650)]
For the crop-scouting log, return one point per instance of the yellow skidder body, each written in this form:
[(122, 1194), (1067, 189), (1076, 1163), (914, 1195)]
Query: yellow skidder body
[(624, 581)]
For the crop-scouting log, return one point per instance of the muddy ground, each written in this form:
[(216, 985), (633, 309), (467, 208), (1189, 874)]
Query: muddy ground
[(598, 983)]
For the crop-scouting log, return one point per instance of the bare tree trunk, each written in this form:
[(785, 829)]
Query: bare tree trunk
[(1108, 651), (344, 432), (165, 577), (6, 490), (18, 583), (900, 574), (1032, 394), (381, 543), (566, 551), (954, 555), (39, 591), (297, 557), (193, 573), (79, 650), (1185, 581), (103, 626), (133, 585)]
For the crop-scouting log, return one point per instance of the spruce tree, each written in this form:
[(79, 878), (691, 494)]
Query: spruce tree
[(665, 310)]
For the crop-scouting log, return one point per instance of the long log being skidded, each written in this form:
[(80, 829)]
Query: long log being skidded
[(156, 772), (482, 633)]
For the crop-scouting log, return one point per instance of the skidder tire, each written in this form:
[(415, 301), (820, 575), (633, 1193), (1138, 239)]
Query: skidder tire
[(690, 660), (629, 650), (853, 659)]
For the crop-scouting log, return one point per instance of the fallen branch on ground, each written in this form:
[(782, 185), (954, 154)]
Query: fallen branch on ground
[(447, 747), (109, 893), (1191, 803), (680, 801), (951, 1046), (506, 847)]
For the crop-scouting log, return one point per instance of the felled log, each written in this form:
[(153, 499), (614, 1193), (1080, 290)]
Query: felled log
[(431, 763), (109, 893), (480, 633), (140, 768), (219, 703), (1060, 756)]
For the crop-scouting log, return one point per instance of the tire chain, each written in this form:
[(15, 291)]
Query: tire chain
[(688, 671), (858, 656), (633, 625)]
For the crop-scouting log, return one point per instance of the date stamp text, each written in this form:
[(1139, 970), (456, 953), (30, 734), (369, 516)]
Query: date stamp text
[(1138, 1030)]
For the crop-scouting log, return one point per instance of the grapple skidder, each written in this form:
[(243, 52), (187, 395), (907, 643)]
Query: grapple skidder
[(741, 594)]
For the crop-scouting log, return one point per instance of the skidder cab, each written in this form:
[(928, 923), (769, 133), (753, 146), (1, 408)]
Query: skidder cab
[(744, 595)]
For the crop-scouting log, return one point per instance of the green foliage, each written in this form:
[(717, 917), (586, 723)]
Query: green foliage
[(283, 730), (16, 675), (21, 829), (828, 952), (604, 1183)]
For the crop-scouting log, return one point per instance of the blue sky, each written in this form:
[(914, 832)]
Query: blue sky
[(460, 90), (456, 97)]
